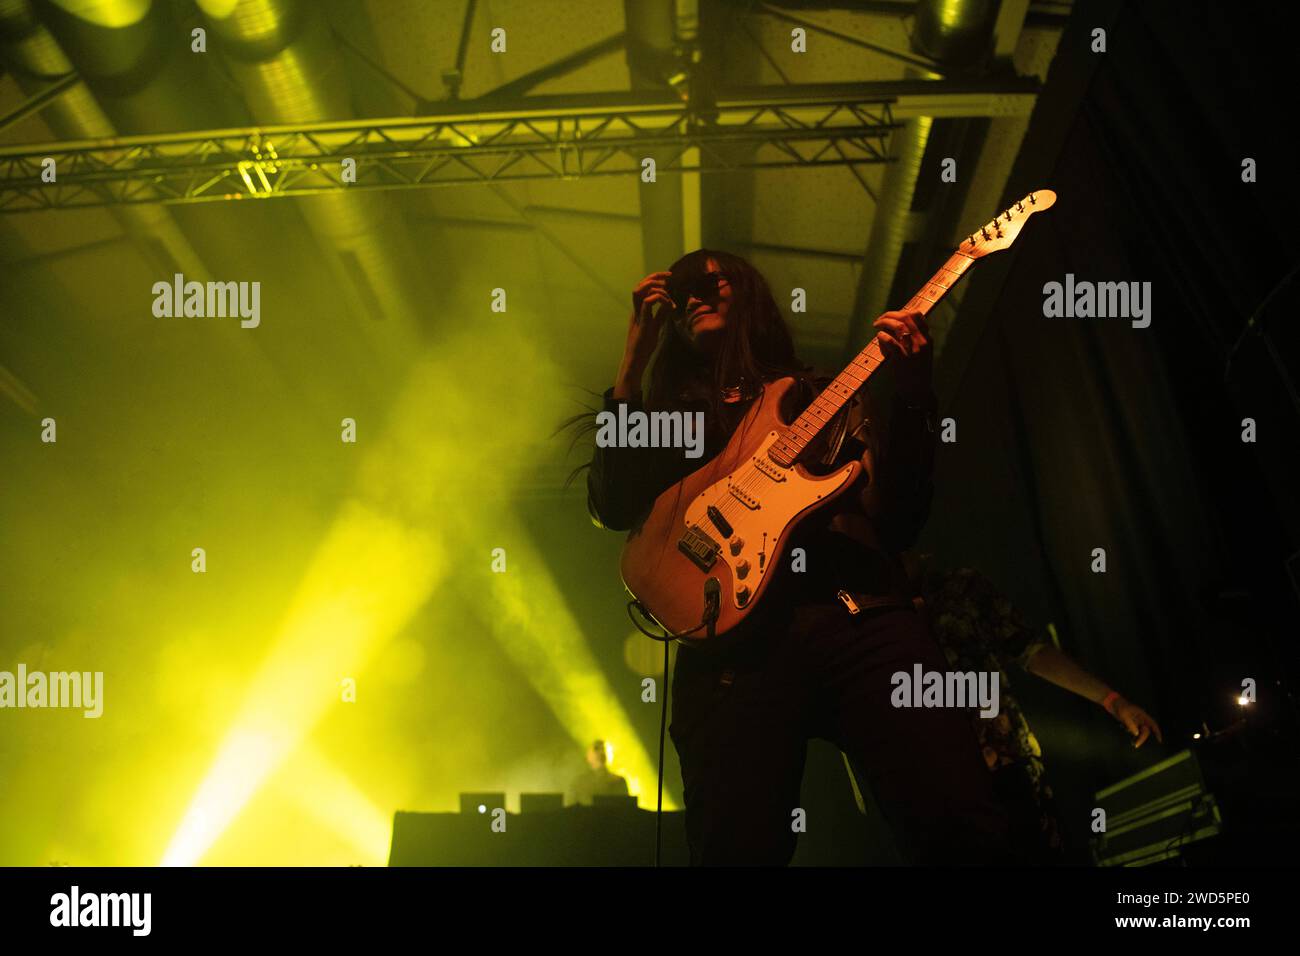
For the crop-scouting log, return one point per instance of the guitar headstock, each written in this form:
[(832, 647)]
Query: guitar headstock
[(1005, 227)]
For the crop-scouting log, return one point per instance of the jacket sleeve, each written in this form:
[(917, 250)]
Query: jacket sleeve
[(898, 498), (623, 483)]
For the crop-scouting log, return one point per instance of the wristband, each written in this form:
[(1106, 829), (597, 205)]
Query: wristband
[(1105, 703)]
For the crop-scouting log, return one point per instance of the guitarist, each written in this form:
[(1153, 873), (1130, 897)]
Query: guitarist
[(816, 657)]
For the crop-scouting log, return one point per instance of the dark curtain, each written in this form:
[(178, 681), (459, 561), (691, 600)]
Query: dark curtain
[(1083, 433)]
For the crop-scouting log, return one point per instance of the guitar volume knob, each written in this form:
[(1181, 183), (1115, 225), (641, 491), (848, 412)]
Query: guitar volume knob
[(742, 595)]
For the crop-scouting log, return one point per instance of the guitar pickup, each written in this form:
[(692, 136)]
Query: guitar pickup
[(746, 499), (770, 468), (699, 547), (719, 521)]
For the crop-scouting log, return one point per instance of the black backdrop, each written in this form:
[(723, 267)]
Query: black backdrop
[(1074, 434)]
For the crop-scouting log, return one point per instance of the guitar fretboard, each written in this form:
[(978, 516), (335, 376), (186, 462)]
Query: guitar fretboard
[(837, 394)]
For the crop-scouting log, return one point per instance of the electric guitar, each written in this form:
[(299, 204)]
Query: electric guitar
[(709, 548)]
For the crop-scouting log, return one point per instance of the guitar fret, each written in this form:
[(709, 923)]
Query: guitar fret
[(837, 394), (841, 390), (823, 417)]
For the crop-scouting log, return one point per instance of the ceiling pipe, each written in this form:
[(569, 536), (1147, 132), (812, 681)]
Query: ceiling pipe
[(36, 59), (138, 64), (957, 34), (651, 63), (290, 69)]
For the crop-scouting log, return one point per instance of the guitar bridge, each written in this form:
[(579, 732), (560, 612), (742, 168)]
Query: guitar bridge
[(699, 547)]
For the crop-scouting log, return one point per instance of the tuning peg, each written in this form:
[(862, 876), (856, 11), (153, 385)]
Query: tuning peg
[(1032, 200), (1020, 207), (984, 232)]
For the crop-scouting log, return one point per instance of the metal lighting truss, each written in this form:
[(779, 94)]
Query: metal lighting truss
[(537, 137)]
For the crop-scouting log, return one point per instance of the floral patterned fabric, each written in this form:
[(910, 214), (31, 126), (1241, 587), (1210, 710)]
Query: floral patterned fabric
[(979, 629)]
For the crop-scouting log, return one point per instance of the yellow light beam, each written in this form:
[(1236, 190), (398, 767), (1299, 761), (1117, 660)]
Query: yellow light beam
[(381, 561), (366, 580), (531, 621), (328, 795)]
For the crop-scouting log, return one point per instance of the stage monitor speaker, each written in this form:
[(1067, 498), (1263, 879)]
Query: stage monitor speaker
[(541, 802), (1153, 814)]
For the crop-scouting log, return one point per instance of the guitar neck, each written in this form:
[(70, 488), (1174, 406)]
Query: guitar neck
[(845, 385)]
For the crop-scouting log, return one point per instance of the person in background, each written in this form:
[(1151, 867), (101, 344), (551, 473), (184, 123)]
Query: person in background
[(979, 629), (597, 779)]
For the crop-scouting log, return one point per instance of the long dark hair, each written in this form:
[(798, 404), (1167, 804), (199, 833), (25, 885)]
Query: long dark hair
[(756, 348), (756, 345)]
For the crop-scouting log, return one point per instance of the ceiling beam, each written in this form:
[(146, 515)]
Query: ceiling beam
[(38, 101)]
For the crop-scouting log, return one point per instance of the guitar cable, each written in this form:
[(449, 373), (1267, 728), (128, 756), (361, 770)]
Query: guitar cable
[(659, 798), (712, 607)]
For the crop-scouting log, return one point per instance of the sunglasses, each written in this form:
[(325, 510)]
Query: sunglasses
[(704, 286)]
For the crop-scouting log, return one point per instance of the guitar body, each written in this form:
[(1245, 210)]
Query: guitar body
[(730, 522), (668, 560)]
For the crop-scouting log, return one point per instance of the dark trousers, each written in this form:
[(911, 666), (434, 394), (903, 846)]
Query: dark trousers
[(1034, 830), (744, 710)]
